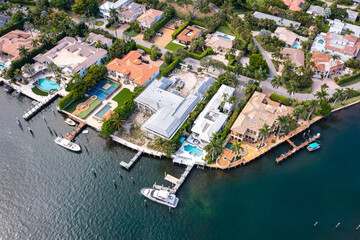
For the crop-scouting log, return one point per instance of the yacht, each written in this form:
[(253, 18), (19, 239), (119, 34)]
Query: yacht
[(313, 146), (67, 144), (70, 122), (161, 196)]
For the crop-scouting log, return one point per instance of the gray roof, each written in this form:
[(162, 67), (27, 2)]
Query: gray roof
[(171, 110), (316, 9), (211, 119), (279, 21), (4, 18), (93, 37)]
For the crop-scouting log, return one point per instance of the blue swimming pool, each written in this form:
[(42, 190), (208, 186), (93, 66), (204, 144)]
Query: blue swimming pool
[(182, 139), (296, 45), (225, 37), (103, 111), (228, 145), (193, 150), (48, 85), (2, 66)]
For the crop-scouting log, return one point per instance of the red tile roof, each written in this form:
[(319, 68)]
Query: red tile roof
[(294, 5), (132, 65)]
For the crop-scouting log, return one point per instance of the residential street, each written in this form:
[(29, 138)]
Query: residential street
[(272, 70)]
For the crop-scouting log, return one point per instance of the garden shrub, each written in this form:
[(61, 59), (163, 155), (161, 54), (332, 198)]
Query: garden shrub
[(280, 99)]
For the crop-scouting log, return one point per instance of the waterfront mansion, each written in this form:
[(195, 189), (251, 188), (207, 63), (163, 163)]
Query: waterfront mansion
[(260, 110)]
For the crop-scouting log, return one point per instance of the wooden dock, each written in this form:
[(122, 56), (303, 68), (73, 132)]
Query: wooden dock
[(72, 135), (37, 108), (182, 178), (296, 148), (132, 161)]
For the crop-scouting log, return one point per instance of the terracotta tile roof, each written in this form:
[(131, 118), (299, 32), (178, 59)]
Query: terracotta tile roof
[(189, 33), (150, 15), (259, 111), (296, 56), (294, 5), (324, 61), (287, 36), (347, 44), (12, 41), (132, 65)]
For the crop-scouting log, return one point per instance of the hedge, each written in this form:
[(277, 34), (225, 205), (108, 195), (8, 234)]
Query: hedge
[(179, 30), (208, 51), (280, 99), (65, 101), (199, 23), (170, 67), (19, 25), (130, 46), (344, 80), (158, 25), (26, 2), (233, 30), (147, 50)]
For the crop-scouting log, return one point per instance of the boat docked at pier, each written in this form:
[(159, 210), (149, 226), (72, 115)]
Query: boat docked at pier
[(313, 146), (67, 144), (70, 122), (161, 196)]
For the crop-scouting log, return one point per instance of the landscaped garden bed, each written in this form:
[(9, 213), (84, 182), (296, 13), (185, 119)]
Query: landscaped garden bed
[(39, 92)]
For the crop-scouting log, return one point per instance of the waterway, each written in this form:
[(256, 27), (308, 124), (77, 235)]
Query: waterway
[(47, 192)]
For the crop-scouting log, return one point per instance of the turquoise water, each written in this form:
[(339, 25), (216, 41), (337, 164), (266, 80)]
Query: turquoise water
[(102, 111), (314, 145), (48, 192), (2, 66), (182, 139), (228, 145), (321, 41), (222, 36), (193, 150), (48, 85), (296, 45)]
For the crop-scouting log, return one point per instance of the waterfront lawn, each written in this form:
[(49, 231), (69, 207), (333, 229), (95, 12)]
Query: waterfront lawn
[(347, 102), (39, 92), (123, 96), (173, 46), (226, 30), (92, 106), (72, 107)]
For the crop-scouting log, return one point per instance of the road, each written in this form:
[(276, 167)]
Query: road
[(272, 70)]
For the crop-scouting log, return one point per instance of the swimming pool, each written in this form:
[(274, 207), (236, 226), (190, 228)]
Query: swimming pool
[(2, 66), (193, 150), (228, 145), (103, 111), (182, 139), (296, 45), (47, 85), (225, 37), (321, 41)]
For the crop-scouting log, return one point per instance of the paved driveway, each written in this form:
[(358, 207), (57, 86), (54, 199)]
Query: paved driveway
[(272, 70)]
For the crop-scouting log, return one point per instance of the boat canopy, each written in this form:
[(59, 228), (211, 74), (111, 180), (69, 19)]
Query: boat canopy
[(163, 194), (314, 145)]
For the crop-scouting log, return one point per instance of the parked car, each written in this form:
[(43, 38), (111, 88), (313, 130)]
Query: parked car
[(186, 47), (181, 85), (152, 41)]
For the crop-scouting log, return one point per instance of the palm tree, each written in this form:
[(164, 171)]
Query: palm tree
[(277, 54), (92, 21), (159, 144), (300, 111), (276, 82), (18, 74), (236, 148), (264, 133), (232, 99), (213, 148), (43, 38), (117, 121), (28, 26), (321, 95), (34, 43), (76, 77), (336, 57), (28, 69), (51, 67), (313, 104), (282, 121), (349, 93), (113, 14), (83, 18), (23, 51)]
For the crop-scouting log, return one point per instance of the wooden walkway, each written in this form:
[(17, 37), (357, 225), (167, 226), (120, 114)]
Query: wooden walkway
[(291, 143), (72, 135), (132, 161), (296, 148)]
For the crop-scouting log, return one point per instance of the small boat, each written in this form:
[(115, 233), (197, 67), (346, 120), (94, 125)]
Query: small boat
[(161, 196), (85, 131), (313, 146), (34, 103), (8, 89), (70, 122), (67, 144)]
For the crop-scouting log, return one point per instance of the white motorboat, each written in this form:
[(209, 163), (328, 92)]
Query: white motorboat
[(34, 103), (161, 196), (70, 122), (67, 144)]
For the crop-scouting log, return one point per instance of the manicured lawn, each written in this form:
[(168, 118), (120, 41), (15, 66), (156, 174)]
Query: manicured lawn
[(348, 101), (92, 106), (173, 46), (123, 96), (163, 66), (132, 33), (39, 92), (226, 30), (99, 23), (71, 108)]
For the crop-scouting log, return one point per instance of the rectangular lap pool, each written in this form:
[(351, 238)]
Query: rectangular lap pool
[(103, 111)]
